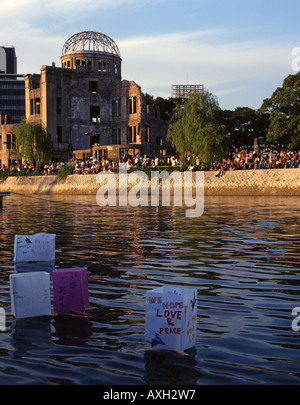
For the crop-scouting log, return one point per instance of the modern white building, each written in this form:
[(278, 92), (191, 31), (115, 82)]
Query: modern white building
[(182, 90)]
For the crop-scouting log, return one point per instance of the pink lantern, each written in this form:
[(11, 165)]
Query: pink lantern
[(70, 290)]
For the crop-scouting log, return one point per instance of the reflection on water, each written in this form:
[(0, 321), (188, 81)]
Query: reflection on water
[(242, 255)]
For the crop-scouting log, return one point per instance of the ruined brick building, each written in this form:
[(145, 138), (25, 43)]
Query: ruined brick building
[(88, 109)]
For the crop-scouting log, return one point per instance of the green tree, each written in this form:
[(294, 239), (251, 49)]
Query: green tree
[(166, 105), (243, 125), (196, 128), (284, 112), (33, 143)]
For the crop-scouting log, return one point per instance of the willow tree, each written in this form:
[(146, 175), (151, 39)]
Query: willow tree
[(196, 128), (34, 144)]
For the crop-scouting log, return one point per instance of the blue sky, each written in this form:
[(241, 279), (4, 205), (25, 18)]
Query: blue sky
[(240, 50)]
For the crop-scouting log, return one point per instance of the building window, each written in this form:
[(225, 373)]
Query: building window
[(95, 139), (10, 141), (59, 135), (159, 140), (37, 106), (31, 107), (58, 106), (131, 134), (116, 136), (93, 86), (94, 113), (116, 107), (106, 66), (147, 133), (132, 105)]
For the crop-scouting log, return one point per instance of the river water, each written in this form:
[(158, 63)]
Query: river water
[(242, 255)]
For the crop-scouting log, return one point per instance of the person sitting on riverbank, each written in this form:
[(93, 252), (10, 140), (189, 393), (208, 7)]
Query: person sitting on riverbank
[(265, 160), (190, 168), (231, 166), (222, 170), (242, 160)]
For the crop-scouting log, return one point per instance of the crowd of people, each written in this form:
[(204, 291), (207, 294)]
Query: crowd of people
[(92, 165), (85, 166), (266, 159), (242, 160)]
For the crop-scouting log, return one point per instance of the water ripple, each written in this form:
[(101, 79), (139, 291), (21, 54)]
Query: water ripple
[(242, 255)]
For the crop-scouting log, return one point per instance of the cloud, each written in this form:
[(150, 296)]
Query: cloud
[(28, 20), (15, 7), (215, 58), (34, 8), (169, 38), (219, 58), (206, 51)]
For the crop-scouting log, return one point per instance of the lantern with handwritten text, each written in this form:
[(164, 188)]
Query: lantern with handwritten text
[(171, 318), (34, 248), (70, 290), (30, 294)]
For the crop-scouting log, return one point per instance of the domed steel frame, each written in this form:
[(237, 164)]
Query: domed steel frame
[(91, 41)]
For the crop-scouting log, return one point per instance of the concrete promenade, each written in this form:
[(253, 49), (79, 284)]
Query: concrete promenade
[(281, 182)]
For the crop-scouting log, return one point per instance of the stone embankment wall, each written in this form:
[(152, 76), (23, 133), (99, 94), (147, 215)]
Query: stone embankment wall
[(254, 182), (243, 182)]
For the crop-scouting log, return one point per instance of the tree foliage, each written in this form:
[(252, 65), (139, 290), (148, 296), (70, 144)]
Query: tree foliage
[(34, 144), (243, 125), (166, 105), (196, 128), (284, 112)]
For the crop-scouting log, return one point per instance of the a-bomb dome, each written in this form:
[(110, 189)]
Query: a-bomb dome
[(91, 41)]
